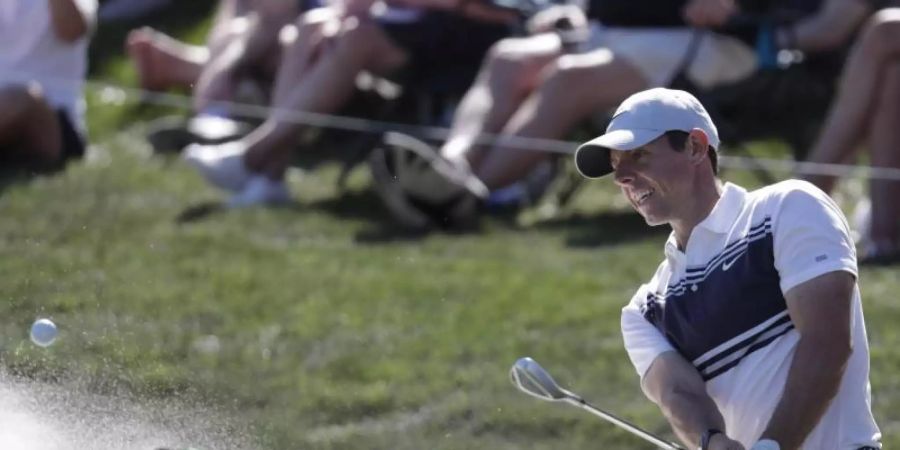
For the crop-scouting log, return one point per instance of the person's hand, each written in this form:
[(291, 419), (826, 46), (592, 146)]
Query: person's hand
[(723, 442), (709, 13), (550, 18)]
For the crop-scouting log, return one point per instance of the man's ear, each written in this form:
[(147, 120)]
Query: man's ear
[(697, 145)]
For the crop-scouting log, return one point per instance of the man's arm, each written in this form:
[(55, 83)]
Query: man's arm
[(820, 310), (69, 22), (676, 386)]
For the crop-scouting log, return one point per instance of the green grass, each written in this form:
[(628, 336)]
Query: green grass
[(308, 326)]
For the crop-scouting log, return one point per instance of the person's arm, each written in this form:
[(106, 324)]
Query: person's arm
[(676, 386), (668, 379), (71, 19), (832, 26), (816, 262), (820, 310)]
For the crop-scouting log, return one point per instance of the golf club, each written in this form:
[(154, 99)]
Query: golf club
[(533, 380)]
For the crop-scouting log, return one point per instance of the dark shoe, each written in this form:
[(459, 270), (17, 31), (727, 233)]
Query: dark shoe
[(880, 258), (421, 188)]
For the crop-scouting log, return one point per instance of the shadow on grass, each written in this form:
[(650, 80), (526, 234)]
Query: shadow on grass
[(10, 177), (604, 228), (14, 173), (365, 205), (200, 211)]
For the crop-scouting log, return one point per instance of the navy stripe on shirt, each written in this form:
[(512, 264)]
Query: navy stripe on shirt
[(734, 293)]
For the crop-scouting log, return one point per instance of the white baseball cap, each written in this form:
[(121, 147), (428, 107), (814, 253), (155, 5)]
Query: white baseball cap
[(639, 120)]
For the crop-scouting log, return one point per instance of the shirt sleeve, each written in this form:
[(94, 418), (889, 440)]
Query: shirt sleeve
[(643, 341), (811, 237)]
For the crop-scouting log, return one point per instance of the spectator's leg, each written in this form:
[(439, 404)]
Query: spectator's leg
[(885, 143), (324, 89), (29, 127), (573, 88), (253, 39), (162, 62), (510, 72), (302, 43), (220, 32), (848, 119)]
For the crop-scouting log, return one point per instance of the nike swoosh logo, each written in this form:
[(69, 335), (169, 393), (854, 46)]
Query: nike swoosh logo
[(727, 264)]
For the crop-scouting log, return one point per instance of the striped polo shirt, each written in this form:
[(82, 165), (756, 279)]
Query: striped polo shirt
[(720, 304)]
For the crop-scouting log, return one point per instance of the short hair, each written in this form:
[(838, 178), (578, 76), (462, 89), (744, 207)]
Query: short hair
[(678, 139)]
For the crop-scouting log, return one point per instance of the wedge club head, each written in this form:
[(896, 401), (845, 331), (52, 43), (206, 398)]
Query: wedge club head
[(527, 375)]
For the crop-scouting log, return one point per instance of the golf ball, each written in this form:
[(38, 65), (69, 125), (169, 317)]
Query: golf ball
[(43, 332)]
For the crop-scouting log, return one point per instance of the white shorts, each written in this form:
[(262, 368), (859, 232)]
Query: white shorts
[(658, 53)]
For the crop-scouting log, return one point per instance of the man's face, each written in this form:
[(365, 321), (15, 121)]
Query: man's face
[(655, 179)]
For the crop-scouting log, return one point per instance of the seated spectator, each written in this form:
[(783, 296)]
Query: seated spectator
[(532, 88), (43, 63), (330, 47), (868, 108), (242, 44)]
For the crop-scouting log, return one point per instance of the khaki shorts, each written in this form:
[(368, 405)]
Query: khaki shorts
[(658, 52)]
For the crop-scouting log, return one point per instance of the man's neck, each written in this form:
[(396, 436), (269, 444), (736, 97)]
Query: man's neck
[(696, 211)]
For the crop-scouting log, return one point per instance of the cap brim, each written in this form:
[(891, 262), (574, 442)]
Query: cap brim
[(592, 157)]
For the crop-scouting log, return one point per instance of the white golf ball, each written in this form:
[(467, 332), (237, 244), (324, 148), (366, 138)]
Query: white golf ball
[(43, 332)]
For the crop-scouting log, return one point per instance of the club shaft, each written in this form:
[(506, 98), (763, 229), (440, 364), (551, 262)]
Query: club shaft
[(655, 440)]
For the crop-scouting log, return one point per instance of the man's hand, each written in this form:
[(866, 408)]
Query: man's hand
[(722, 442), (709, 13)]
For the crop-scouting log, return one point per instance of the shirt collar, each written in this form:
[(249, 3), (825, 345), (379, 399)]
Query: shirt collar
[(726, 211), (720, 218)]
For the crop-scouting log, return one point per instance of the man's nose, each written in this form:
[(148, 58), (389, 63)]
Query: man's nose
[(623, 174)]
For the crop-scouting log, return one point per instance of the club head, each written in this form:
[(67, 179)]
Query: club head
[(533, 380)]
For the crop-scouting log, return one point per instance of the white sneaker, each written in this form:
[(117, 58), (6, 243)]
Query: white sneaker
[(222, 165), (263, 191)]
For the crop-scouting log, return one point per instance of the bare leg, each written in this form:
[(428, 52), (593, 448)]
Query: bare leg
[(163, 62), (510, 72), (303, 44), (219, 33), (847, 120), (29, 127), (575, 87), (885, 142), (324, 89), (253, 38)]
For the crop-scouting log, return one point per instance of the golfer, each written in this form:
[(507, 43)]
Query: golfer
[(750, 334)]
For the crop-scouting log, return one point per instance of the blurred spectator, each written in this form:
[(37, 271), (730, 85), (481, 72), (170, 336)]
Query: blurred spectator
[(325, 53), (530, 87), (868, 108), (543, 85), (43, 63)]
